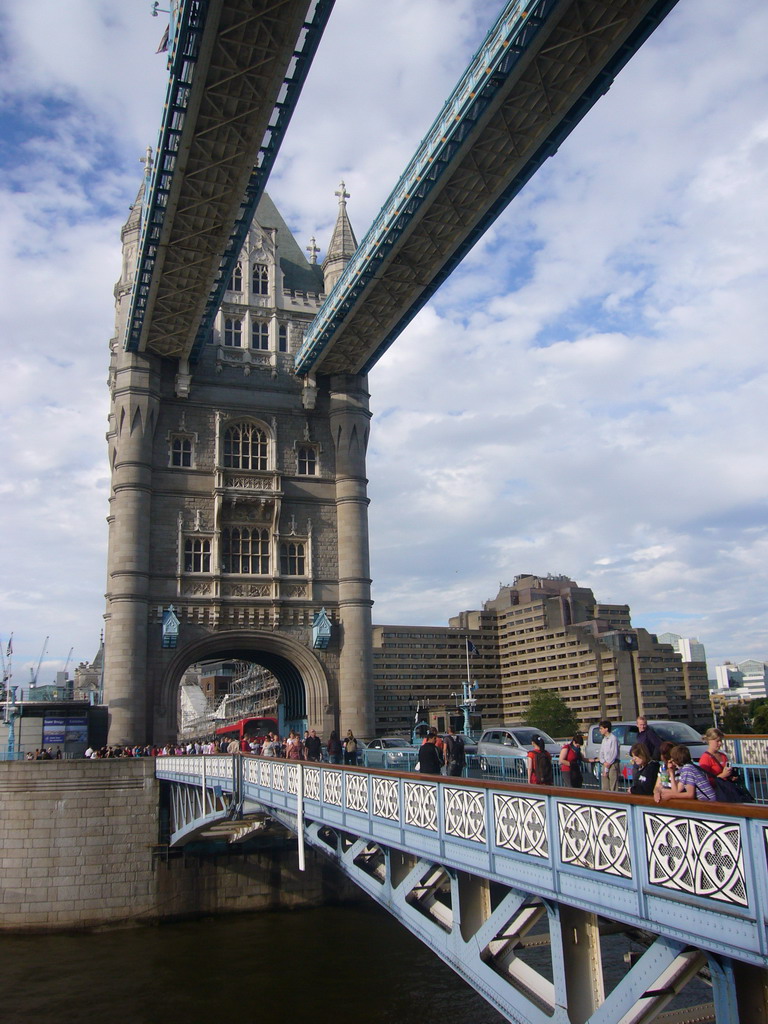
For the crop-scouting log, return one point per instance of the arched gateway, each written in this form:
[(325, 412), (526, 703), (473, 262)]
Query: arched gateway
[(304, 691), (238, 498)]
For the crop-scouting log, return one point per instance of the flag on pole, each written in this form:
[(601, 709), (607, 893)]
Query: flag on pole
[(471, 649), (9, 650)]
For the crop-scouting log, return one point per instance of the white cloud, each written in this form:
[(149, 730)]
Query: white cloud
[(585, 395)]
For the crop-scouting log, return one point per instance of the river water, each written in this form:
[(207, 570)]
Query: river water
[(331, 964)]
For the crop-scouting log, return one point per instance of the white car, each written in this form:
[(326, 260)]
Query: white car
[(395, 752), (513, 741)]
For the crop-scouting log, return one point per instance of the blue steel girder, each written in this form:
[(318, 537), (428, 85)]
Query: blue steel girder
[(541, 68), (236, 71), (482, 872)]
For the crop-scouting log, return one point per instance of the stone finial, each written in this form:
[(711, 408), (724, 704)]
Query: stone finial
[(342, 194), (313, 249)]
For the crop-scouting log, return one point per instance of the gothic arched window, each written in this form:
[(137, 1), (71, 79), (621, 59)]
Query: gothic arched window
[(259, 334), (260, 279), (282, 338), (292, 559), (233, 332), (245, 550), (197, 555), (236, 280), (245, 447)]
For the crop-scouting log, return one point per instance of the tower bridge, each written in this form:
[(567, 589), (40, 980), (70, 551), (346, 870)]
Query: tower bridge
[(521, 888), (239, 419)]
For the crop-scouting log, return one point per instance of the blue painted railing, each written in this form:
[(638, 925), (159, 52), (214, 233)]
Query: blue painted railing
[(697, 872)]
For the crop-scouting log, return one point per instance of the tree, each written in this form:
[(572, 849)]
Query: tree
[(548, 711), (735, 720), (760, 719)]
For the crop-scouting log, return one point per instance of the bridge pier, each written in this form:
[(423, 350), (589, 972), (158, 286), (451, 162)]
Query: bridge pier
[(582, 963), (350, 424)]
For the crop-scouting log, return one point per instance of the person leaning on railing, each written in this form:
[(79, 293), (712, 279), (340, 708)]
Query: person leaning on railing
[(713, 760), (686, 780)]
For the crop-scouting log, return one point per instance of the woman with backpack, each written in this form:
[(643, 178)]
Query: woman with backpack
[(539, 763), (350, 748), (571, 762)]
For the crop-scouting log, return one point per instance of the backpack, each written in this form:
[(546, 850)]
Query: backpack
[(455, 746), (728, 791), (542, 766)]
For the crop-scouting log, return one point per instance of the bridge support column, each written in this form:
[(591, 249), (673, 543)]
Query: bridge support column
[(133, 419), (473, 899), (350, 420), (582, 962), (752, 992)]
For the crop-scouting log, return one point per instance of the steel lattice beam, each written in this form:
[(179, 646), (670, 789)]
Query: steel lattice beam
[(236, 73), (543, 66)]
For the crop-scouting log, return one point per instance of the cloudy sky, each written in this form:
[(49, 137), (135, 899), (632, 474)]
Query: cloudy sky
[(586, 396)]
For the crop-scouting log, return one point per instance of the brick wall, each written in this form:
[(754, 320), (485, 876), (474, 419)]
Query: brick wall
[(78, 849)]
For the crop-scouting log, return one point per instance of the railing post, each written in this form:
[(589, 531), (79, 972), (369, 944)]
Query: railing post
[(300, 815)]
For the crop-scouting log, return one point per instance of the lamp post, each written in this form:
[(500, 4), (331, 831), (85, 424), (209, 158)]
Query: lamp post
[(11, 714)]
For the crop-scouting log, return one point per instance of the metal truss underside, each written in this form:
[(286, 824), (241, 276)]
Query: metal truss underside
[(237, 71), (543, 67), (535, 960), (526, 891), (195, 808)]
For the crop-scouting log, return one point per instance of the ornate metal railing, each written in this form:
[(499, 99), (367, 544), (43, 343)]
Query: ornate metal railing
[(494, 876), (673, 865)]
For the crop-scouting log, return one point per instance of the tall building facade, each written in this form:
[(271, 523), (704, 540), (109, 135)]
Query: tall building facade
[(688, 647), (238, 504), (747, 680), (540, 633)]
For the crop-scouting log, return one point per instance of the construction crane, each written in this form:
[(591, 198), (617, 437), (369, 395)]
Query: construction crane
[(33, 680)]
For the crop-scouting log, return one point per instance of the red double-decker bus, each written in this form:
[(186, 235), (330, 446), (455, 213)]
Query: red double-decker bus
[(252, 727)]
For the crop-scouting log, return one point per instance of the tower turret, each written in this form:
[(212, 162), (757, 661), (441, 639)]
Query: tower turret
[(342, 245)]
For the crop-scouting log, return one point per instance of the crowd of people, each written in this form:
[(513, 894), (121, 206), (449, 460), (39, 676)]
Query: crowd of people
[(666, 770), (660, 769), (294, 747)]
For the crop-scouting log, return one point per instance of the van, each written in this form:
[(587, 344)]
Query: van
[(626, 734)]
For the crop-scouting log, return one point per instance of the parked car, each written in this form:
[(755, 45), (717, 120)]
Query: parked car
[(513, 741), (394, 752), (626, 734)]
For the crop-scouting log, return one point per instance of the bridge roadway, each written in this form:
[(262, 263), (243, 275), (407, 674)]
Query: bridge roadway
[(497, 877)]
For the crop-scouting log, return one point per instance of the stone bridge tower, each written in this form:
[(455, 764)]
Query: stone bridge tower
[(239, 497)]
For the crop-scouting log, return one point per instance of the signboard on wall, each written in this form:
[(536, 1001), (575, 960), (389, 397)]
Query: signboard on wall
[(58, 730)]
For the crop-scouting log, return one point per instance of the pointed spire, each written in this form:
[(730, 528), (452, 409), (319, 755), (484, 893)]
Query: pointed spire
[(343, 242)]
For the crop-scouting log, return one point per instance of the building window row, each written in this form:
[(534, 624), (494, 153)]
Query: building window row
[(234, 333), (259, 279), (245, 446), (245, 551)]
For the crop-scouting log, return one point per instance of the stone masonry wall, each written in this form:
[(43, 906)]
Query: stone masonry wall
[(79, 849)]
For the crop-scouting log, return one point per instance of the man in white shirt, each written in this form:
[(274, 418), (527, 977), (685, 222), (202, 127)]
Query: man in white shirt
[(608, 758)]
